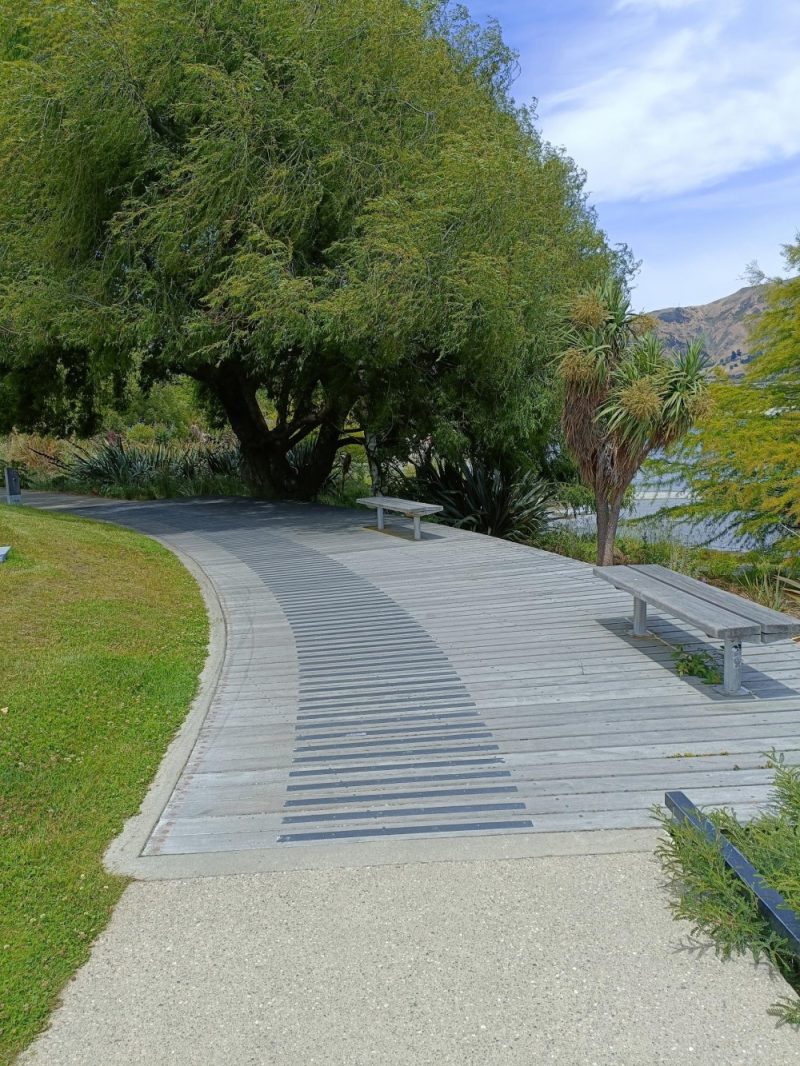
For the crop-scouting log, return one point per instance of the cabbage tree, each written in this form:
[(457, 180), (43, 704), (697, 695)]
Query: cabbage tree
[(624, 397)]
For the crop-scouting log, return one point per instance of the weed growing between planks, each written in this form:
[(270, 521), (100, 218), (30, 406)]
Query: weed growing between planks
[(700, 664)]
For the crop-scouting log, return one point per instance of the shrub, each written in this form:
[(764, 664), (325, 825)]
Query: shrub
[(717, 903), (117, 468), (349, 479), (474, 495), (574, 497), (33, 456)]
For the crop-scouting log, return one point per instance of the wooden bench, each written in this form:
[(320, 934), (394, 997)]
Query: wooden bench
[(719, 614), (408, 508)]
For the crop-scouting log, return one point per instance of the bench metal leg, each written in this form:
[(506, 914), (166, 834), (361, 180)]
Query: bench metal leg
[(732, 671), (639, 617), (417, 530), (380, 519)]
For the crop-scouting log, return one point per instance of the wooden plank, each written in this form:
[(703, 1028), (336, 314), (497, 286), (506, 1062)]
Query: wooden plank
[(715, 621), (405, 507), (357, 669), (770, 621)]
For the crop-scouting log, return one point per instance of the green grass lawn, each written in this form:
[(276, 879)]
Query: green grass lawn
[(102, 636)]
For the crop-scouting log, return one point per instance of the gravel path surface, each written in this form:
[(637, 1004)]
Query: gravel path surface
[(569, 960)]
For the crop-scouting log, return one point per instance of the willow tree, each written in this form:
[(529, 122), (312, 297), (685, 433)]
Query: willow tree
[(624, 398), (329, 215)]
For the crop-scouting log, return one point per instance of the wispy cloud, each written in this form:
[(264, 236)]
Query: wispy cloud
[(675, 95)]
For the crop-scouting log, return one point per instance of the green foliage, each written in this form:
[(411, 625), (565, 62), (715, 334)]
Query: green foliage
[(624, 397), (742, 463), (334, 206), (697, 664), (716, 902), (483, 499), (562, 540), (773, 589), (349, 479), (575, 497), (164, 412), (151, 471), (102, 636)]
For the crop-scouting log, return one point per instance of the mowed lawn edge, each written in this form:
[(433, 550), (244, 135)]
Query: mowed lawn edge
[(103, 635)]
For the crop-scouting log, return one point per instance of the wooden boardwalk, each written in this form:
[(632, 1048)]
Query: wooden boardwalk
[(378, 689)]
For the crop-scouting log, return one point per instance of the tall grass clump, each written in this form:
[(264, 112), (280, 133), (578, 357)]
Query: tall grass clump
[(121, 469), (718, 905)]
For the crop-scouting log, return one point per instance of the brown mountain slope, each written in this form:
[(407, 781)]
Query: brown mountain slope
[(723, 323)]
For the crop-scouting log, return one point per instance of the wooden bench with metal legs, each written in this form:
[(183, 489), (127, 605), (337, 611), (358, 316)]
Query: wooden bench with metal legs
[(719, 614), (408, 508)]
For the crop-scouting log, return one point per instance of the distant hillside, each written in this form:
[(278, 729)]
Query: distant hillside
[(723, 323)]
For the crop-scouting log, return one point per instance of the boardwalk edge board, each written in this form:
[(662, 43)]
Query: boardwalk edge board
[(123, 855)]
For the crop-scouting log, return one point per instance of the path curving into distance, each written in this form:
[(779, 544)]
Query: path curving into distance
[(382, 700)]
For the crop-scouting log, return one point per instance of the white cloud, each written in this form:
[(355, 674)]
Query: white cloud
[(678, 95)]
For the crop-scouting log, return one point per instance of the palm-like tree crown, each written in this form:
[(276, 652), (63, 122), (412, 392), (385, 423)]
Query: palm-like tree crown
[(624, 396)]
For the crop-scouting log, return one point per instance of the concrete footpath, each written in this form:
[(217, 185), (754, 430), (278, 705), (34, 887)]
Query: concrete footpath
[(569, 960)]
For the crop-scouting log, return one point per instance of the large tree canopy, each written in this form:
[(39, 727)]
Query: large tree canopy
[(328, 212)]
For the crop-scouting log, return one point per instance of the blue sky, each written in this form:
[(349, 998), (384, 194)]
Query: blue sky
[(685, 114)]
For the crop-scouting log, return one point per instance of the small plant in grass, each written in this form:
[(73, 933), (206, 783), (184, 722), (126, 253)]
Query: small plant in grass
[(699, 664), (717, 903)]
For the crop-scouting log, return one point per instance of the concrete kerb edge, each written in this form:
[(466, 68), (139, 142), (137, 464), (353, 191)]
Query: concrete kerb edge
[(498, 847), (123, 855)]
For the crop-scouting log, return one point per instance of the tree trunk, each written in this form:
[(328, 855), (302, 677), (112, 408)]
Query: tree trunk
[(601, 510), (312, 477), (607, 521), (375, 473), (265, 451), (265, 466)]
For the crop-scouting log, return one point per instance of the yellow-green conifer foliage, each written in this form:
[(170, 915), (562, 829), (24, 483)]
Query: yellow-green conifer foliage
[(744, 463)]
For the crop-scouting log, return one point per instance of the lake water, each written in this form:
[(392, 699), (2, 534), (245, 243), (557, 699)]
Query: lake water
[(647, 505)]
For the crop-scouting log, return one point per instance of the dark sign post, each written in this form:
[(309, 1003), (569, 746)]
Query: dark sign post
[(13, 491)]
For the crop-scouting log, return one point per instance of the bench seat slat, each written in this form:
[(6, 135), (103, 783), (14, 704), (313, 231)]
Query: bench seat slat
[(773, 623), (715, 621), (406, 507)]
